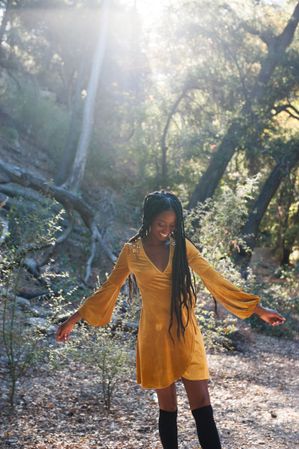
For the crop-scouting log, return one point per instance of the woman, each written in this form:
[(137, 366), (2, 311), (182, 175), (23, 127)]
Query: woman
[(169, 343)]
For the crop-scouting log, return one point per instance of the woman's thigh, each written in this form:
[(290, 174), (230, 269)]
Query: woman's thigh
[(197, 392), (167, 398)]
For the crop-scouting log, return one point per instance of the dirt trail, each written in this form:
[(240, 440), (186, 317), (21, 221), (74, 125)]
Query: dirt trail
[(254, 395)]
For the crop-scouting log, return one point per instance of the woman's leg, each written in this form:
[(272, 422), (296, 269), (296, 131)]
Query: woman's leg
[(168, 416), (202, 411), (197, 392)]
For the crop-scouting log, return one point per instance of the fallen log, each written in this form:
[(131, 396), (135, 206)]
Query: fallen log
[(71, 202)]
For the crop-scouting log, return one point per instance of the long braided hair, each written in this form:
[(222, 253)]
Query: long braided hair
[(182, 292)]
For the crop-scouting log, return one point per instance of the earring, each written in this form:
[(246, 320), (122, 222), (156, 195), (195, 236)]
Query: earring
[(172, 240)]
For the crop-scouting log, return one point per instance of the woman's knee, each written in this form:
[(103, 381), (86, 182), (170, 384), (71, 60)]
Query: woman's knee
[(167, 398), (197, 392)]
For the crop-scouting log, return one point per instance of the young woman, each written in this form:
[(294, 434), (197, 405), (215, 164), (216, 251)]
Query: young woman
[(169, 343)]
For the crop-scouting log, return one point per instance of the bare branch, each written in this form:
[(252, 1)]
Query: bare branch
[(94, 239), (285, 108), (62, 238), (5, 229), (266, 36), (292, 115), (70, 201), (3, 221), (3, 200), (291, 106), (189, 85)]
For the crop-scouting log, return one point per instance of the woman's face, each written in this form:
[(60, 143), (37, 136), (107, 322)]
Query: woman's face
[(163, 225)]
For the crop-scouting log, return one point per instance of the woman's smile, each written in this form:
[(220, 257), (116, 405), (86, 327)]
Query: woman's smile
[(162, 226)]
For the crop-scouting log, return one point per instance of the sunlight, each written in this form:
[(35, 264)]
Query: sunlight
[(151, 10)]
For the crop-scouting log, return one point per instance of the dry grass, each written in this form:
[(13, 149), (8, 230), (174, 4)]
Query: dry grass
[(253, 394)]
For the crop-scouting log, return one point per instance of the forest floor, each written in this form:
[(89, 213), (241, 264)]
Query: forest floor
[(254, 394)]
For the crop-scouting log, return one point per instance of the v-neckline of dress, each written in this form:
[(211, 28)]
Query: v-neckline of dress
[(152, 263)]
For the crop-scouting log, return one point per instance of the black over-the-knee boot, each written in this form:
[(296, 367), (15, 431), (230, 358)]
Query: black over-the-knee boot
[(206, 428), (168, 429)]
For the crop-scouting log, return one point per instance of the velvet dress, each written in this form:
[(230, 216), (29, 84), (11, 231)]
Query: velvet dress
[(160, 361)]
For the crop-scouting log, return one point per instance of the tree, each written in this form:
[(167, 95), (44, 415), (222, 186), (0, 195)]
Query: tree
[(71, 203), (77, 173), (288, 160), (256, 110)]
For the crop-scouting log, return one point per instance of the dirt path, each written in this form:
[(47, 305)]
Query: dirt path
[(254, 395)]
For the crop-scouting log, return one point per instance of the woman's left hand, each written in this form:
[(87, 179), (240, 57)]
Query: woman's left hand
[(269, 315)]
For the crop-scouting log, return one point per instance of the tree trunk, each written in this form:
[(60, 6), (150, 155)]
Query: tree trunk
[(211, 178), (69, 149), (70, 201), (289, 243), (250, 229), (73, 183), (4, 21), (163, 144)]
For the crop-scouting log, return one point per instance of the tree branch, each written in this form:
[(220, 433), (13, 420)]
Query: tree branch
[(62, 238), (266, 36), (70, 201), (294, 112), (190, 85), (3, 221)]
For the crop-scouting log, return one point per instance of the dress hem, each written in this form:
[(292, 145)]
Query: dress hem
[(168, 385)]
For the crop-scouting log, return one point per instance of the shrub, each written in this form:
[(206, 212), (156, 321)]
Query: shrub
[(221, 221), (107, 350), (282, 295), (23, 335), (42, 118)]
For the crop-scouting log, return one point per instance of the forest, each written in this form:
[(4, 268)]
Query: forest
[(102, 102)]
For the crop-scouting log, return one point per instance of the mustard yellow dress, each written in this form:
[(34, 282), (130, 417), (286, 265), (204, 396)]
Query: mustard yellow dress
[(159, 361)]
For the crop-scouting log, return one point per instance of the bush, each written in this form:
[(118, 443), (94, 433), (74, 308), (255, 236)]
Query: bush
[(42, 118), (283, 296), (108, 350), (221, 221), (25, 324)]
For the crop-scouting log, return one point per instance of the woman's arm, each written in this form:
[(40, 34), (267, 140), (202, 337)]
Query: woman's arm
[(269, 315), (97, 309), (238, 302), (66, 327)]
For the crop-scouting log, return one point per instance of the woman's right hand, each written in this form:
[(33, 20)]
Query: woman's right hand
[(66, 327)]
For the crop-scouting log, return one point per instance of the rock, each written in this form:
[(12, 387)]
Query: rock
[(32, 292), (239, 340), (23, 302), (32, 265), (51, 329), (25, 305), (35, 311), (40, 311), (40, 323)]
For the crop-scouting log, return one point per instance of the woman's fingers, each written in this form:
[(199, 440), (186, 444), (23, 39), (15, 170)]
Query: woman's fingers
[(271, 316), (62, 333), (275, 319), (59, 334), (279, 319)]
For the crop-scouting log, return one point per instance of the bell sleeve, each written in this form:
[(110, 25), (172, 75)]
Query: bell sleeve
[(97, 309), (231, 297)]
